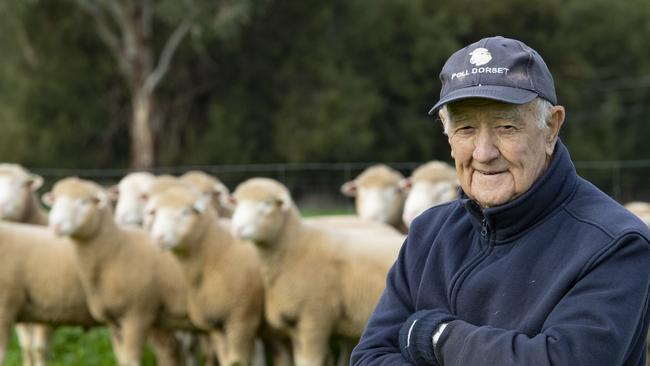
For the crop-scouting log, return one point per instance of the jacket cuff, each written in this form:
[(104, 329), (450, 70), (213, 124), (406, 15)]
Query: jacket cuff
[(416, 336)]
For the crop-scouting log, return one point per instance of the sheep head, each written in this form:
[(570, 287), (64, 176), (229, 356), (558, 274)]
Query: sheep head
[(211, 187), (378, 196), (430, 184), (175, 218), (77, 208), (262, 206), (130, 195), (16, 188)]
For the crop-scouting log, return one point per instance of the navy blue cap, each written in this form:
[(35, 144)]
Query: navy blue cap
[(496, 68)]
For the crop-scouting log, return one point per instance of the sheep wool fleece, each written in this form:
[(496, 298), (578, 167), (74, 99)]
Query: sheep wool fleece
[(558, 276)]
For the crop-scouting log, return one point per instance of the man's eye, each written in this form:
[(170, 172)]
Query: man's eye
[(508, 127)]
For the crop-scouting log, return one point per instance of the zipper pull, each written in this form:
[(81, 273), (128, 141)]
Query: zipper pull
[(484, 229)]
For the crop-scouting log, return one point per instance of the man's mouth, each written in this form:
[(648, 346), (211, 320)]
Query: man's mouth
[(487, 172)]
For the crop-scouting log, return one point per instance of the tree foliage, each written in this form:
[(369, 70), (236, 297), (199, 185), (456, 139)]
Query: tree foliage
[(309, 81)]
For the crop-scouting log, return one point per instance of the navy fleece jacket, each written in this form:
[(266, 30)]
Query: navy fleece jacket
[(558, 276)]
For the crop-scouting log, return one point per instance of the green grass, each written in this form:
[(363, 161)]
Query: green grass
[(72, 346)]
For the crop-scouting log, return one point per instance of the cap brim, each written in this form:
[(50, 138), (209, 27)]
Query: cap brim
[(495, 92)]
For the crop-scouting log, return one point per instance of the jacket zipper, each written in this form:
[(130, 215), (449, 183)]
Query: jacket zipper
[(465, 272)]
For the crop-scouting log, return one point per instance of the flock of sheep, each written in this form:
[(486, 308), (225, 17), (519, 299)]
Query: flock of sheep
[(180, 261)]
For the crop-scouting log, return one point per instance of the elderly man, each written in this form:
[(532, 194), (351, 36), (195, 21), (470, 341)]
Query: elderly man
[(533, 265)]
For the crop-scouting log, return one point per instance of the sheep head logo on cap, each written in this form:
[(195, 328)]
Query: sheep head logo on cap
[(480, 56)]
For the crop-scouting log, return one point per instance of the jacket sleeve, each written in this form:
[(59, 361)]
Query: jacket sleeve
[(379, 345), (600, 321)]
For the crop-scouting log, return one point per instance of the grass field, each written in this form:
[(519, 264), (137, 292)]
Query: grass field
[(72, 346)]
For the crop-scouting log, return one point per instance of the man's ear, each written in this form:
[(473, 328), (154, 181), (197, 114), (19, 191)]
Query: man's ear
[(443, 121), (554, 124)]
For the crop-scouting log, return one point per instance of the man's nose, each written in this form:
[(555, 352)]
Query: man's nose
[(485, 149)]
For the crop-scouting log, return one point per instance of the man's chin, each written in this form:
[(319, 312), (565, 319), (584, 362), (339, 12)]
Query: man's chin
[(493, 200)]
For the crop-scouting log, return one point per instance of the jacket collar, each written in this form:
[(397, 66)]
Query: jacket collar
[(548, 193)]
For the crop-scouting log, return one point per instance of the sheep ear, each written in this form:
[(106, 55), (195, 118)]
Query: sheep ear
[(35, 182), (349, 189), (102, 199), (202, 203), (285, 202), (113, 193), (219, 190), (227, 201), (47, 199), (405, 184)]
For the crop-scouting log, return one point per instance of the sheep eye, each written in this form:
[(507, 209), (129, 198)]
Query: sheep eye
[(151, 212)]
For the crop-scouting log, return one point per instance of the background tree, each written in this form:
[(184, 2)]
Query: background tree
[(126, 27), (257, 81)]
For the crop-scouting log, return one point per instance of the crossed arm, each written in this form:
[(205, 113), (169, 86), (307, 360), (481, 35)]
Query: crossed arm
[(601, 320)]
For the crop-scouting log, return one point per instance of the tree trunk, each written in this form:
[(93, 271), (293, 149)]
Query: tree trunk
[(142, 141)]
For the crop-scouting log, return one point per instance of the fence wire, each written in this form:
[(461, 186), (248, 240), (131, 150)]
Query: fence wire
[(316, 185)]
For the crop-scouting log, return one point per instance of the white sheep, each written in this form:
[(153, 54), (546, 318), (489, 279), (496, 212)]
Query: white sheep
[(19, 203), (129, 194), (378, 196), (125, 278), (18, 199), (640, 209), (225, 294), (38, 280), (430, 184), (211, 187), (319, 282), (132, 194), (351, 222)]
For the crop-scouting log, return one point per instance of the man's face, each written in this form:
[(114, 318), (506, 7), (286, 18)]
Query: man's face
[(498, 148)]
